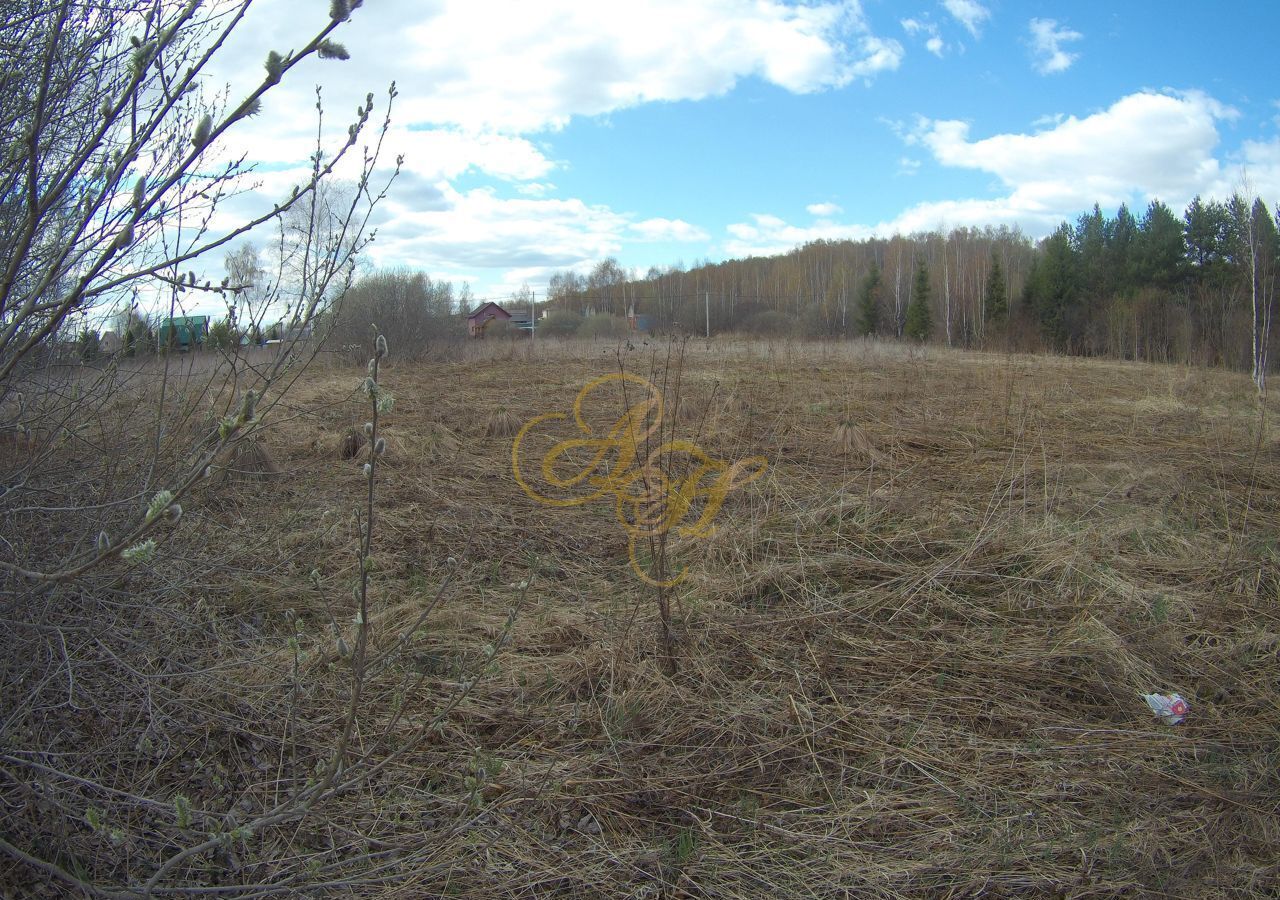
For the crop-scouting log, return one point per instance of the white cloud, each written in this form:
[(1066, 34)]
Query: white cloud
[(659, 229), (877, 55), (478, 229), (929, 30), (491, 65), (535, 188), (1151, 144), (478, 80), (969, 13), (1144, 146), (1260, 163), (766, 235), (908, 166), (822, 210), (1047, 38)]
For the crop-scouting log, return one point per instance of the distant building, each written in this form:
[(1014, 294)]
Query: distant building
[(109, 344), (296, 333), (480, 319), (184, 332)]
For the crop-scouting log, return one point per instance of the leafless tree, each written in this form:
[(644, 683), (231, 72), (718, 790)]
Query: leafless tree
[(111, 173)]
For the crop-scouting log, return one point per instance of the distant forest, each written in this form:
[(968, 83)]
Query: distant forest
[(1199, 288)]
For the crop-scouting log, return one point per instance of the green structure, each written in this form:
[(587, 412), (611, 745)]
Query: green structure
[(184, 332)]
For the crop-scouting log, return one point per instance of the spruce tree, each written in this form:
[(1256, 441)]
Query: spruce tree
[(919, 324), (869, 303), (996, 294)]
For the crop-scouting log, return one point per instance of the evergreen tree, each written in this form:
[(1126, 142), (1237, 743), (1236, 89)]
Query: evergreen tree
[(996, 293), (919, 324), (1057, 289), (222, 335), (1207, 227), (869, 303), (1160, 250), (1121, 234)]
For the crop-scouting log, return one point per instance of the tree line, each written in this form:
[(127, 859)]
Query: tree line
[(1197, 288)]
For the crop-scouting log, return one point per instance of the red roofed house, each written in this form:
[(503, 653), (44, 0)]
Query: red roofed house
[(477, 321), (489, 312)]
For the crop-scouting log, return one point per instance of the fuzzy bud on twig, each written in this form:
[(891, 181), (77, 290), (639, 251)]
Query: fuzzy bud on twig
[(332, 50), (368, 429), (124, 238), (379, 446), (203, 130), (274, 66), (139, 553), (249, 407), (104, 542), (159, 503), (380, 346)]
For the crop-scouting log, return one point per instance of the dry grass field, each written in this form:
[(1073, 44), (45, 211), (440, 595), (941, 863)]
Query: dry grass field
[(911, 656)]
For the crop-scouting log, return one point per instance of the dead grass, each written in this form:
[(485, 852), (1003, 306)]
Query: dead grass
[(916, 678), (501, 423)]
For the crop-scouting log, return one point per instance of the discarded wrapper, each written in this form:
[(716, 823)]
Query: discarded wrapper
[(1171, 708)]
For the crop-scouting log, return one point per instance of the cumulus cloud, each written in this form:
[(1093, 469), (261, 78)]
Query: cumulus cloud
[(1152, 144), (766, 235), (823, 210), (969, 13), (659, 229), (1145, 146), (490, 65), (1047, 38), (479, 80), (481, 229)]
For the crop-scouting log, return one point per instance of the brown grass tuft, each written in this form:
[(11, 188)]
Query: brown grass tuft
[(502, 423), (350, 443), (852, 440), (247, 460)]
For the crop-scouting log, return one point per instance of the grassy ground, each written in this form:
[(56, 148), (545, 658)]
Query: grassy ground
[(911, 656)]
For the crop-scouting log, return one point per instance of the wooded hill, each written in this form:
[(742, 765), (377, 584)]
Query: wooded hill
[(1199, 288)]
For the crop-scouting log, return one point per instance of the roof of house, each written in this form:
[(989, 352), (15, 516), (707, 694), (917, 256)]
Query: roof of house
[(496, 309)]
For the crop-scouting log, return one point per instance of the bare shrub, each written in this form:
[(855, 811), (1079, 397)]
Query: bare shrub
[(161, 692), (600, 327), (421, 313)]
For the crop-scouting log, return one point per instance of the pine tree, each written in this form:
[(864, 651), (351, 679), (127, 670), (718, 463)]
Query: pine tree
[(1056, 294), (919, 324), (996, 293), (869, 303)]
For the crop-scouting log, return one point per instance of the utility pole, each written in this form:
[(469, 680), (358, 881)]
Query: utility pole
[(533, 315), (707, 296)]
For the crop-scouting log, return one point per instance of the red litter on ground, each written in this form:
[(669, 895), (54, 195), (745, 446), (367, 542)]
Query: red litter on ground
[(1170, 708)]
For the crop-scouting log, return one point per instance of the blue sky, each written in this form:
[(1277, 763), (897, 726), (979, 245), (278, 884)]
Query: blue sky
[(544, 136)]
